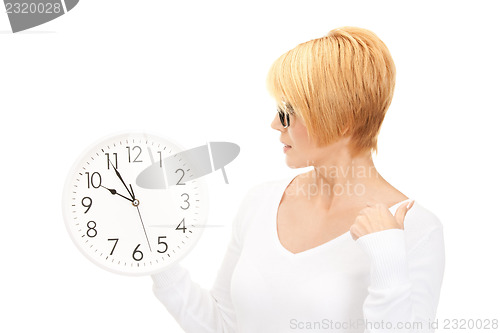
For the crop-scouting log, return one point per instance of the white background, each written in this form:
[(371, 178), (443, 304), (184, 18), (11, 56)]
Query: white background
[(195, 71)]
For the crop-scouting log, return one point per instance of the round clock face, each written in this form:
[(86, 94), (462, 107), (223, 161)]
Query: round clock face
[(133, 203)]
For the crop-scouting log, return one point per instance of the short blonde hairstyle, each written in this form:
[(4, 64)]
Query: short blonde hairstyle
[(343, 81)]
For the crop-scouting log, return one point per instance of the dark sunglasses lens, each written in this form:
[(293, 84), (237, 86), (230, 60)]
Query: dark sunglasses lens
[(282, 118)]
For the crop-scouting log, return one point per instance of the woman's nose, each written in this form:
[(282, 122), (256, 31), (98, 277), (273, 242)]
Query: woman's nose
[(276, 123)]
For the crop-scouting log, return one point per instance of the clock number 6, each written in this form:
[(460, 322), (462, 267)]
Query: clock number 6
[(137, 255)]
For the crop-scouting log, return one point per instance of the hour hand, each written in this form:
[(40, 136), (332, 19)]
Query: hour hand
[(113, 191), (121, 179)]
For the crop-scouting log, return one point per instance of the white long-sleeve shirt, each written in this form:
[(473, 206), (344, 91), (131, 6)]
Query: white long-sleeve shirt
[(387, 281)]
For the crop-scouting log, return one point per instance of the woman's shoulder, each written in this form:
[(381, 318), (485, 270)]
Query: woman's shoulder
[(426, 217), (420, 222)]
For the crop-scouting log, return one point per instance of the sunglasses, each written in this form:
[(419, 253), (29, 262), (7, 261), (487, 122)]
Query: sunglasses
[(285, 117)]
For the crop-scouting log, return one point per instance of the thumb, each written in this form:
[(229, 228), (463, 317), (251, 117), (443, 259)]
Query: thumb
[(401, 212)]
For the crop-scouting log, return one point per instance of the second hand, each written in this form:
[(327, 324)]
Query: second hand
[(145, 233), (136, 204)]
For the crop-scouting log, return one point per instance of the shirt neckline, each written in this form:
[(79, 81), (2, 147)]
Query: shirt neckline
[(276, 239)]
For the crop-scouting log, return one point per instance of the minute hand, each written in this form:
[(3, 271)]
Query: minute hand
[(120, 176)]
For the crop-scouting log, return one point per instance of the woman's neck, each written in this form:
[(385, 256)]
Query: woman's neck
[(341, 179)]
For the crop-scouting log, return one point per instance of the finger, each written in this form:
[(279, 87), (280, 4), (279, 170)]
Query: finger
[(363, 211), (360, 219), (354, 232), (410, 204), (401, 212)]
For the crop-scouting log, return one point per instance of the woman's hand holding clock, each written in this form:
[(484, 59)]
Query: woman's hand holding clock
[(377, 217)]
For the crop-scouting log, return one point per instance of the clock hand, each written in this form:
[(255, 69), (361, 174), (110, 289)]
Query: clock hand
[(113, 191), (123, 182), (133, 195), (144, 228), (135, 202)]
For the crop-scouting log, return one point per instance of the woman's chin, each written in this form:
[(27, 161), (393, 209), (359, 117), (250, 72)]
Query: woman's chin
[(293, 164)]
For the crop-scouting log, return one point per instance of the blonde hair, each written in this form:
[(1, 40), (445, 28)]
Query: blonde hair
[(339, 84)]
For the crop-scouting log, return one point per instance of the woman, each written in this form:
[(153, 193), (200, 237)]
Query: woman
[(336, 248)]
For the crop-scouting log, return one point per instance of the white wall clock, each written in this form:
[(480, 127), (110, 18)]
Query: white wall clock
[(129, 221)]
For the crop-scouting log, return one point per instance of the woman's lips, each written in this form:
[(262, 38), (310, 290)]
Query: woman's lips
[(286, 146)]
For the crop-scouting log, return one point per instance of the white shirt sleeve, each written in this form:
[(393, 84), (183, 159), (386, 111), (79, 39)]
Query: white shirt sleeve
[(194, 308), (404, 283)]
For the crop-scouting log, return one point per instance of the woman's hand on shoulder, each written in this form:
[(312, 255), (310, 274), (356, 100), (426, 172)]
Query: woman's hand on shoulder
[(377, 217)]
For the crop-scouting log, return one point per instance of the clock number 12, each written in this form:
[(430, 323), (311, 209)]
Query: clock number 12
[(136, 157)]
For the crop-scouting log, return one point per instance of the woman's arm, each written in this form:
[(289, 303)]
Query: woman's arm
[(405, 284), (198, 310)]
